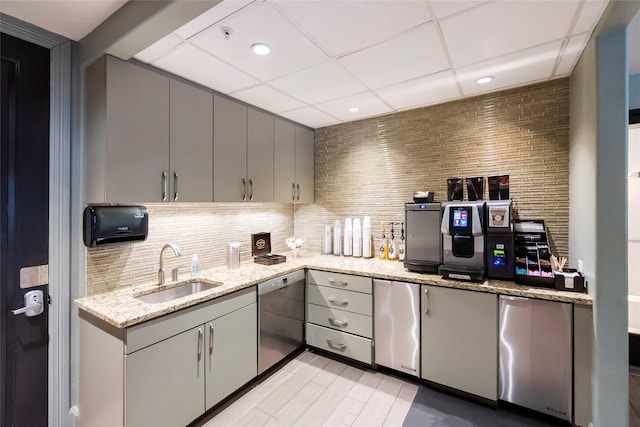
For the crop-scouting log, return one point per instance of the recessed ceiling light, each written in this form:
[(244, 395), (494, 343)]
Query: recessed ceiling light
[(354, 109), (484, 80), (260, 49)]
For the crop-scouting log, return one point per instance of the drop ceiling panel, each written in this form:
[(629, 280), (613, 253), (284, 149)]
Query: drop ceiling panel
[(159, 48), (310, 116), (574, 48), (500, 28), (267, 98), (589, 15), (261, 23), (196, 65), (412, 55), (320, 83), (429, 90), (444, 8), (518, 69), (211, 17), (345, 26), (369, 105)]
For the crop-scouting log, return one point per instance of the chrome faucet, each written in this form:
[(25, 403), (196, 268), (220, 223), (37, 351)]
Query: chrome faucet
[(177, 253)]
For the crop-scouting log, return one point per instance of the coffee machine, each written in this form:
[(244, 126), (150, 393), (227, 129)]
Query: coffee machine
[(500, 246), (463, 240), (424, 240)]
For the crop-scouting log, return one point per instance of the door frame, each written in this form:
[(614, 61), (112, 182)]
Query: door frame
[(64, 274)]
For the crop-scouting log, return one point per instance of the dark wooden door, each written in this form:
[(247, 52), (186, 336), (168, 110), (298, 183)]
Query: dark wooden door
[(24, 225)]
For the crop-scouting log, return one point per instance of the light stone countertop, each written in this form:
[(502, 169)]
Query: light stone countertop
[(121, 309)]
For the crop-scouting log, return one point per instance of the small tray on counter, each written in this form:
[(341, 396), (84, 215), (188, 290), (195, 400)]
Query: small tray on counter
[(579, 284)]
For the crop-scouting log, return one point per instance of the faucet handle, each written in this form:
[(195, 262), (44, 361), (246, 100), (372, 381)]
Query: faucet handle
[(174, 274)]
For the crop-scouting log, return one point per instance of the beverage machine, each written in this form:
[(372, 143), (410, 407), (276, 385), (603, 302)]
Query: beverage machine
[(499, 241)]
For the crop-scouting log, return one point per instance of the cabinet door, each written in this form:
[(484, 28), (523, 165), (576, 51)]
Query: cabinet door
[(260, 156), (284, 167), (137, 133), (191, 143), (304, 165), (231, 353), (165, 381), (229, 151), (460, 340)]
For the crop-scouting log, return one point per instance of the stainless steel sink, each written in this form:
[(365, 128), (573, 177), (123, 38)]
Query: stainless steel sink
[(177, 292)]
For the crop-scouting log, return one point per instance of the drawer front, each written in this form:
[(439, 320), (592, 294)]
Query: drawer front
[(354, 302), (340, 281), (341, 343), (341, 320)]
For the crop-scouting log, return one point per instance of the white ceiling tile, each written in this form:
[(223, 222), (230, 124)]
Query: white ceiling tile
[(261, 23), (368, 104), (320, 83), (267, 98), (411, 55), (590, 15), (497, 28), (311, 117), (572, 54), (444, 8), (211, 17), (344, 26), (429, 90), (159, 48), (517, 69), (196, 65)]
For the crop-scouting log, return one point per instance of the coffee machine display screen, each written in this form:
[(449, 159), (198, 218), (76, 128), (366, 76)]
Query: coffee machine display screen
[(460, 219)]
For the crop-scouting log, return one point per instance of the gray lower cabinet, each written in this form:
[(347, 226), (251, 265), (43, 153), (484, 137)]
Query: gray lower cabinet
[(340, 314), (169, 370), (460, 340), (293, 163)]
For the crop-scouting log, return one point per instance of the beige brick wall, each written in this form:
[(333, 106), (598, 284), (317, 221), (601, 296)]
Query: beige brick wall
[(372, 167), (201, 228)]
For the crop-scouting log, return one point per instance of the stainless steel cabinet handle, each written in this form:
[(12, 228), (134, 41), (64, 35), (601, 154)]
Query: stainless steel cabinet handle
[(338, 282), (336, 322), (200, 337), (336, 345), (298, 196), (244, 185), (164, 186), (175, 186), (426, 302), (250, 190), (293, 191), (332, 300), (210, 338)]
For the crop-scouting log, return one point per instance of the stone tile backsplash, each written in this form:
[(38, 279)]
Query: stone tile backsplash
[(372, 167)]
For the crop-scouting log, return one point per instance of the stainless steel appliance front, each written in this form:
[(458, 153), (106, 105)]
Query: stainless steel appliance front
[(397, 325), (536, 355), (281, 319)]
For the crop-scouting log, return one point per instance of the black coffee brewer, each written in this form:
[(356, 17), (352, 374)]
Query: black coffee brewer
[(500, 248)]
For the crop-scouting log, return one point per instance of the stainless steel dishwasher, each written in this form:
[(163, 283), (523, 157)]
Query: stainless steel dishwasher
[(281, 318), (397, 325), (536, 354)]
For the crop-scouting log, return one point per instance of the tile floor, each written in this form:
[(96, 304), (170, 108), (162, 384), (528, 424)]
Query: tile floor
[(312, 390), (634, 396)]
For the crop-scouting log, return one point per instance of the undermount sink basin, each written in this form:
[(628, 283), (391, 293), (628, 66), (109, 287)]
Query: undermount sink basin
[(177, 292)]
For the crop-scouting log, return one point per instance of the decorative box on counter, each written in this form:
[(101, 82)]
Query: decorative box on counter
[(261, 250), (570, 280)]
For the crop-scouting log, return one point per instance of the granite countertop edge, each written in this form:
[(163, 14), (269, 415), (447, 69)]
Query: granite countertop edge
[(121, 309)]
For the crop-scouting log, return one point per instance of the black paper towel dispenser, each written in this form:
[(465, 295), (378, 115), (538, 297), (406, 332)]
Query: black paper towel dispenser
[(104, 224)]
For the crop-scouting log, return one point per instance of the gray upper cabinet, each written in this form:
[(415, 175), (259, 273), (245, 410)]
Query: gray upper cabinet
[(191, 144), (243, 153), (229, 150), (127, 133), (260, 156), (293, 163)]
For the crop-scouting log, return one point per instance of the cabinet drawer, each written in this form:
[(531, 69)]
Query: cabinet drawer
[(341, 343), (341, 320), (340, 281), (354, 302)]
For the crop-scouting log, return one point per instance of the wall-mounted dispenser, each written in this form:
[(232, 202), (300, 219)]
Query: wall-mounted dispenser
[(105, 224)]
